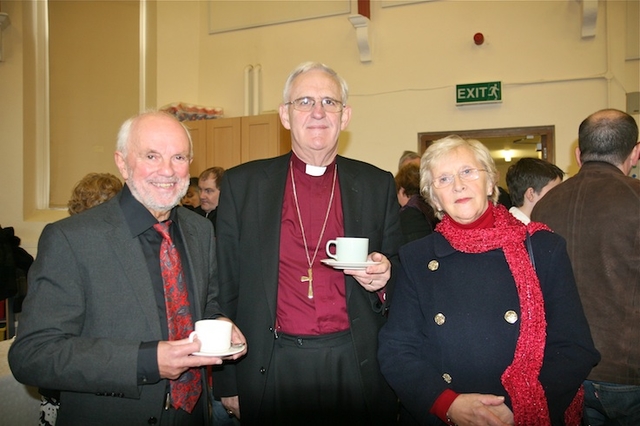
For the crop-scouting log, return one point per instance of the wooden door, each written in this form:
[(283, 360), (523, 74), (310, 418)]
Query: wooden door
[(224, 139), (198, 131), (263, 137)]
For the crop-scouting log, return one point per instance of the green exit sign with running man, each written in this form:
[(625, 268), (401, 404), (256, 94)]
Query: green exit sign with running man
[(478, 93)]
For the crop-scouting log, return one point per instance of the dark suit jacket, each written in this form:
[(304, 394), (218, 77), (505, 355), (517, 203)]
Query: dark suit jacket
[(248, 233), (212, 215), (91, 303)]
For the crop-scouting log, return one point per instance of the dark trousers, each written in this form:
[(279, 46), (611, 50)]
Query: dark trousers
[(611, 404), (314, 380), (198, 417)]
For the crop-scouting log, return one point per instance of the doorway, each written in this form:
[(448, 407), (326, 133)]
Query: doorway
[(507, 145)]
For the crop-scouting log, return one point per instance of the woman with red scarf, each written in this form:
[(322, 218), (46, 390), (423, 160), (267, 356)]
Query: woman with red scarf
[(486, 325)]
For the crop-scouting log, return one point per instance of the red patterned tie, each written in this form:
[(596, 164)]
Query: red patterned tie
[(186, 390)]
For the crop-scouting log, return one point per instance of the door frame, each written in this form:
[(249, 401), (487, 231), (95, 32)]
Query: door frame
[(546, 133)]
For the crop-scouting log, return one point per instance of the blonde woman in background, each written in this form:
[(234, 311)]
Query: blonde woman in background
[(93, 189)]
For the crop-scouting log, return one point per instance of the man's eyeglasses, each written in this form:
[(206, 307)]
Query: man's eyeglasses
[(464, 174), (307, 103)]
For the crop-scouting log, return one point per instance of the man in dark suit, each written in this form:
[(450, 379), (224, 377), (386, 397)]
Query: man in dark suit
[(313, 329), (95, 323)]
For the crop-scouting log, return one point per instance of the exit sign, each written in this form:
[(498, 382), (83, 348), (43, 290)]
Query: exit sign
[(478, 93)]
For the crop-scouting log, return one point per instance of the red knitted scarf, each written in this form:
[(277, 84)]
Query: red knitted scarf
[(520, 379)]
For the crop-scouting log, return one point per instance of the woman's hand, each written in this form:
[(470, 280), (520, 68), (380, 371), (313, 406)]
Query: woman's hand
[(475, 409)]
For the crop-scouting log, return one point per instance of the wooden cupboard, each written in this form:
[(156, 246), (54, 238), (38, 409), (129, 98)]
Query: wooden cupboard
[(227, 142)]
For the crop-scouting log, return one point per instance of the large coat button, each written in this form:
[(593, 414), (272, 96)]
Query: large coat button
[(447, 377), (433, 265), (511, 317), (439, 318)]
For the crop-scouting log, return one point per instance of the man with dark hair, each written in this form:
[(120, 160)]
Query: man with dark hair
[(209, 187), (597, 212), (528, 180)]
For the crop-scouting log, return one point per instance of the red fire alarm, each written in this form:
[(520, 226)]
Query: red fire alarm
[(478, 38)]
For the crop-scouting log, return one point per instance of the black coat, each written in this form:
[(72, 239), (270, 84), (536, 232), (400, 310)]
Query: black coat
[(447, 327), (249, 216)]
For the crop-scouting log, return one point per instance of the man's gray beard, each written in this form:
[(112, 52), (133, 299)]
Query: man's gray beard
[(147, 200)]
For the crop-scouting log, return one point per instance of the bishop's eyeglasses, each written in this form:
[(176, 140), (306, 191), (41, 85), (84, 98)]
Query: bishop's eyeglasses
[(464, 174), (306, 104)]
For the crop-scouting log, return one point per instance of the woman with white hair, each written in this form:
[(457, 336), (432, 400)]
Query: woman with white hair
[(486, 325)]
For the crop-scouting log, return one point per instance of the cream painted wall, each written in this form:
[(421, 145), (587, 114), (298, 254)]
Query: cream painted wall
[(550, 75), (94, 87), (11, 130), (178, 41)]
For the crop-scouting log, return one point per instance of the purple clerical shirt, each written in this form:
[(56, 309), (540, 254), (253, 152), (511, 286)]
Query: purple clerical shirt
[(326, 312)]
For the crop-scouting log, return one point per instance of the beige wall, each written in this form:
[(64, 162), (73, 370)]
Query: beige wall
[(421, 51), (94, 87), (550, 74)]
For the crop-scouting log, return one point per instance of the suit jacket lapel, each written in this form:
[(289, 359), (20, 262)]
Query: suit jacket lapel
[(352, 192), (129, 256), (198, 282), (270, 198), (351, 189)]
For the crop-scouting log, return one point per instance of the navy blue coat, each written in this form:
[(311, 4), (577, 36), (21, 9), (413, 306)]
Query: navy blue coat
[(447, 326)]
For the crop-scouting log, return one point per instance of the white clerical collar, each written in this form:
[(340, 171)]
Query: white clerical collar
[(315, 170)]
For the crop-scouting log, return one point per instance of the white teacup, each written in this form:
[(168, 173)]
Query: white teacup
[(214, 335), (349, 249)]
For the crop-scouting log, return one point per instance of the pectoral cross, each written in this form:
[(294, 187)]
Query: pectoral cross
[(308, 278)]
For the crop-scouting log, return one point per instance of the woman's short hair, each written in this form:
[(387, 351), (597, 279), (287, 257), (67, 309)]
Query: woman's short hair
[(442, 147), (408, 177), (93, 189)]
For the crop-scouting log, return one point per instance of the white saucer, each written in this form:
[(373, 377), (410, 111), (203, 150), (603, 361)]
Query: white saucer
[(347, 265), (233, 349)]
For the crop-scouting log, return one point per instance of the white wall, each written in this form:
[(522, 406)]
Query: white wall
[(550, 74)]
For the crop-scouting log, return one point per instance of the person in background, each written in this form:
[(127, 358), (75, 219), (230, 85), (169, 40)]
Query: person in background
[(15, 262), (313, 329), (191, 199), (209, 188), (417, 218), (93, 189), (503, 195), (597, 211), (114, 291), (528, 180), (409, 157), (486, 325)]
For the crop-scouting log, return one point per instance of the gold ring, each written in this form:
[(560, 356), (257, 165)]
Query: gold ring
[(230, 412)]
